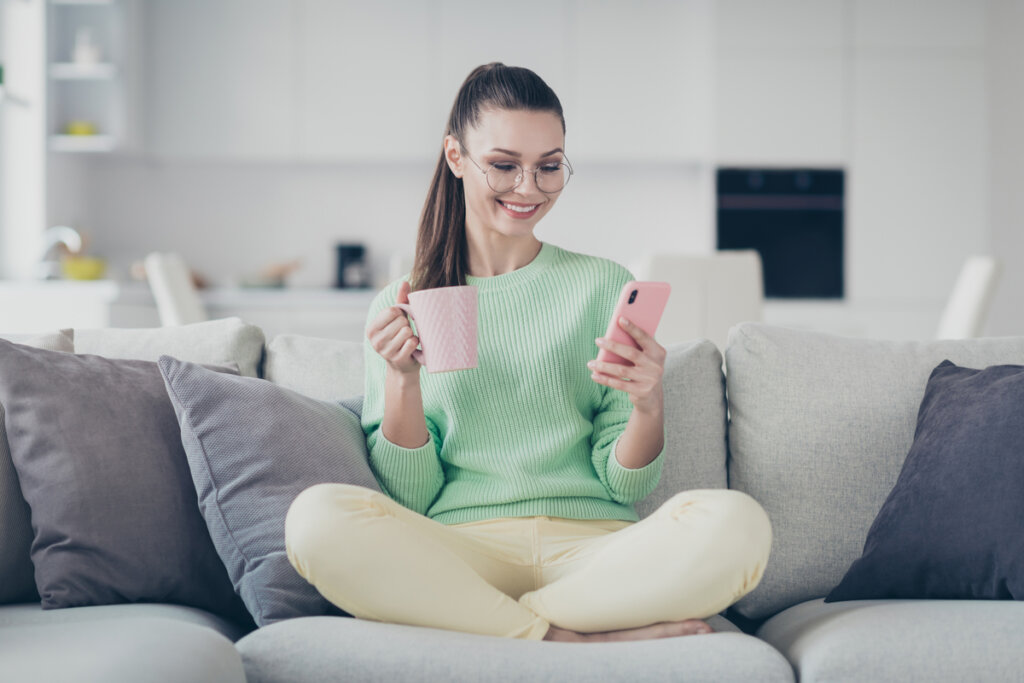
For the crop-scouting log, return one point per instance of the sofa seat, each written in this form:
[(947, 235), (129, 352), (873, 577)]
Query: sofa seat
[(894, 640), (322, 648), (134, 642)]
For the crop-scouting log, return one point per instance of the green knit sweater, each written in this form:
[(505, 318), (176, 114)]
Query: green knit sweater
[(527, 432)]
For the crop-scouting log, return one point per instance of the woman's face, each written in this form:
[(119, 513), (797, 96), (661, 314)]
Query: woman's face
[(530, 138)]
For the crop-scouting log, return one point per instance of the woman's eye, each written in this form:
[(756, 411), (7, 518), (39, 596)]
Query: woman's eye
[(551, 169), (505, 167)]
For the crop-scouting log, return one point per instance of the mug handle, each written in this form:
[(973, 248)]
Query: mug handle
[(417, 355)]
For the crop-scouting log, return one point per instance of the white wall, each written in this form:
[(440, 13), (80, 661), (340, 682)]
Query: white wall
[(22, 136), (1006, 76), (919, 101), (231, 219)]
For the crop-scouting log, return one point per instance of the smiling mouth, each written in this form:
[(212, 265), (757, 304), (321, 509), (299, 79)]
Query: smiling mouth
[(519, 208)]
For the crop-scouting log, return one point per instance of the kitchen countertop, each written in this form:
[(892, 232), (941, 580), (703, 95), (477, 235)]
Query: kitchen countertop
[(138, 293)]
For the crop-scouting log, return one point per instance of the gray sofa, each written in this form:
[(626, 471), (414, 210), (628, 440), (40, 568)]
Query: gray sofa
[(813, 426)]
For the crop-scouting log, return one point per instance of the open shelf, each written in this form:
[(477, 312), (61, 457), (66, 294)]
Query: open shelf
[(82, 143), (72, 71)]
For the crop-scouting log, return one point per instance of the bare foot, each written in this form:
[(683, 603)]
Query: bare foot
[(665, 629)]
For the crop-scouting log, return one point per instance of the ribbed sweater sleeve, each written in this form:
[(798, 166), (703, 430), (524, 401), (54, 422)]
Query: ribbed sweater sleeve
[(625, 485), (411, 476)]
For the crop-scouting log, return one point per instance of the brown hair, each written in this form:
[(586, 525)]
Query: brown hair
[(441, 241)]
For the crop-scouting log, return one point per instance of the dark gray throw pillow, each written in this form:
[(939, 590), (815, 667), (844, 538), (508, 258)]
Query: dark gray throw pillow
[(98, 454), (951, 526), (253, 447)]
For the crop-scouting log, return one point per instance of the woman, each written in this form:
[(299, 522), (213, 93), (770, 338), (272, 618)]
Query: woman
[(511, 485)]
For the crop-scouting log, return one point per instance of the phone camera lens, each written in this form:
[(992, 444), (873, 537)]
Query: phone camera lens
[(632, 296)]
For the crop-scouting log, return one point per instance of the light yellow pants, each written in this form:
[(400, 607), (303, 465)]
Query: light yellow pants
[(514, 576)]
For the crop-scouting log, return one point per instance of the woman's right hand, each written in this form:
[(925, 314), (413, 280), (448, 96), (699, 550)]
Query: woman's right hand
[(391, 336)]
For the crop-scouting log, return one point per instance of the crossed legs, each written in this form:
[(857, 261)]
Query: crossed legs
[(698, 553)]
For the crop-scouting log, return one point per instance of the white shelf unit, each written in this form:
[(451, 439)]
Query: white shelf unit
[(69, 71), (90, 92), (82, 143)]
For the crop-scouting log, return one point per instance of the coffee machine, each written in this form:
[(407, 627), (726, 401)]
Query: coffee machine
[(352, 270)]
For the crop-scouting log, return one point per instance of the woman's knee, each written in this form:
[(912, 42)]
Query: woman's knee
[(734, 512), (314, 514)]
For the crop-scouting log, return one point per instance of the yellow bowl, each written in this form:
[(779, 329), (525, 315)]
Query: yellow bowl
[(83, 268), (80, 128)]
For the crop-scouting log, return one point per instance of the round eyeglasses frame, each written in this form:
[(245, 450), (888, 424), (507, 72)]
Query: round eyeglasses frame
[(521, 174)]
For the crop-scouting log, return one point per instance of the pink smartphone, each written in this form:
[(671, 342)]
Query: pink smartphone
[(642, 303)]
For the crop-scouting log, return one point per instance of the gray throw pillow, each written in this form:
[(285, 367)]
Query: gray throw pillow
[(951, 527), (253, 447), (16, 573), (98, 454)]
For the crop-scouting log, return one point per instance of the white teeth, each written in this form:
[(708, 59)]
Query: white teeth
[(523, 209)]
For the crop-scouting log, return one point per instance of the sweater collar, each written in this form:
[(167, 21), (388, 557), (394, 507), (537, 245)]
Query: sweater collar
[(539, 264)]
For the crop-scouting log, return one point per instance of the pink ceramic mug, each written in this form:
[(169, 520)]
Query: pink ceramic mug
[(446, 323)]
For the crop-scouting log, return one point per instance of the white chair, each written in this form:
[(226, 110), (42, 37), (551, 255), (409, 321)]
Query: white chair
[(967, 307), (177, 300), (710, 293)]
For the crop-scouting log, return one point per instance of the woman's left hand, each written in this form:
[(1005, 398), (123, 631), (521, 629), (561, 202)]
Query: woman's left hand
[(642, 380)]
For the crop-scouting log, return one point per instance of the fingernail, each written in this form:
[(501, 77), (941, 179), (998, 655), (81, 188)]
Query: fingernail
[(599, 341), (590, 364), (623, 321)]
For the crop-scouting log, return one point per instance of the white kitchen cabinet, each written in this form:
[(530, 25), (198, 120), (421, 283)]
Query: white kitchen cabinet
[(779, 26), (641, 83), (346, 81), (220, 79), (365, 80), (781, 110), (906, 26), (29, 307), (534, 36), (918, 179), (781, 83)]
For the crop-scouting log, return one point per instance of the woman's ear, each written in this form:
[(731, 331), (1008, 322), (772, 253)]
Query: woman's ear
[(453, 155)]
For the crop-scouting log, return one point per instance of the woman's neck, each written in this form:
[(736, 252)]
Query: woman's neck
[(500, 254)]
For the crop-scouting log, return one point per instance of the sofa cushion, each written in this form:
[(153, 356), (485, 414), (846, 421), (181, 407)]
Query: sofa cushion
[(98, 453), (820, 426), (900, 640), (58, 340), (253, 447), (327, 369), (16, 581), (215, 342), (317, 648), (33, 614), (951, 527), (152, 649), (695, 422)]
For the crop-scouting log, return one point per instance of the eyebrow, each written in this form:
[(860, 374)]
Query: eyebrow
[(517, 154)]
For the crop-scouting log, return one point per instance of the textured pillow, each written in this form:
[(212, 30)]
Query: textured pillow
[(98, 454), (694, 423), (16, 582), (217, 342), (252, 448), (951, 527), (327, 369), (819, 428)]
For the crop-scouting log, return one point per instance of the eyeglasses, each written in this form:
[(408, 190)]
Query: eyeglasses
[(504, 176)]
